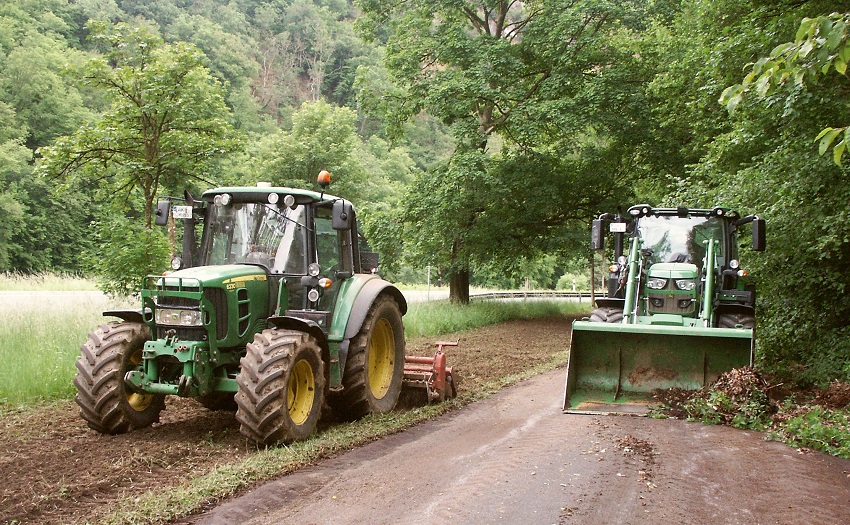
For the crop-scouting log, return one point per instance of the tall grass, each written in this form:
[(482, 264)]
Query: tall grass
[(44, 282), (40, 336), (41, 332), (441, 317)]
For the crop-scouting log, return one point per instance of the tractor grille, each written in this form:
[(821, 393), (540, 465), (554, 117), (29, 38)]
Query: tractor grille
[(669, 302), (170, 301), (218, 298), (183, 333), (666, 304)]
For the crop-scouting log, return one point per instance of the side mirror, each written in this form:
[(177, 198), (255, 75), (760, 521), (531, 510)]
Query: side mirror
[(758, 235), (597, 234), (161, 213), (343, 215)]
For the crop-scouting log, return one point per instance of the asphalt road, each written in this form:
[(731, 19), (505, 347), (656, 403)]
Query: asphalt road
[(516, 459)]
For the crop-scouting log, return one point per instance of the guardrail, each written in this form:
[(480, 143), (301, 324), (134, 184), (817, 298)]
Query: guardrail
[(535, 295)]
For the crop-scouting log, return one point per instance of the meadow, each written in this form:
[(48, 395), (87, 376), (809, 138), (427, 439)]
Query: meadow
[(41, 329)]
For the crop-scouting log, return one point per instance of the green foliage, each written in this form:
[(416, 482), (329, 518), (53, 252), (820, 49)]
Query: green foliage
[(740, 399), (574, 281), (817, 428), (516, 84), (753, 411), (165, 127), (820, 45), (124, 252)]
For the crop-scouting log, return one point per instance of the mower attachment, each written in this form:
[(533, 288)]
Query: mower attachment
[(431, 375)]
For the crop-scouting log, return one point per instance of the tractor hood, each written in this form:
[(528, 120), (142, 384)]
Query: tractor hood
[(673, 271), (229, 276)]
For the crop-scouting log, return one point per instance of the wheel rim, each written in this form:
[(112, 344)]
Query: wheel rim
[(381, 359), (300, 392), (138, 402)]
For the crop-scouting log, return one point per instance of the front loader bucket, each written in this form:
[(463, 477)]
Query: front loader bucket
[(615, 367)]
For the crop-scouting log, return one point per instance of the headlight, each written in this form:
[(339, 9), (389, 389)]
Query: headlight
[(685, 284), (176, 263), (174, 317), (656, 283), (314, 270), (734, 264)]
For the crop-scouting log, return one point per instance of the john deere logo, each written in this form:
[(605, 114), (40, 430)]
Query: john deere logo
[(239, 282)]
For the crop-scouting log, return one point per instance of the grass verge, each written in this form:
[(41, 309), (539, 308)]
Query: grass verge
[(430, 319)]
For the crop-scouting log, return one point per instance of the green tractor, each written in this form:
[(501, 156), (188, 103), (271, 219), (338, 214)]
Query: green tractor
[(274, 311), (680, 309)]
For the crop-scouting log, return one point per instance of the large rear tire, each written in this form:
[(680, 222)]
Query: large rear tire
[(281, 387), (736, 320), (106, 403), (374, 369), (607, 314)]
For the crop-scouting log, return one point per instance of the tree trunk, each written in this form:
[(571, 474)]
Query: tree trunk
[(459, 287)]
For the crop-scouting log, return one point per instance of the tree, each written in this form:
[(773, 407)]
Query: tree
[(820, 46), (502, 74), (323, 137), (759, 159), (166, 126)]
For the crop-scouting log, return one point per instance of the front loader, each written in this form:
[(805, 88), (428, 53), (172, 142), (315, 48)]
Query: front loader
[(273, 311), (680, 309)]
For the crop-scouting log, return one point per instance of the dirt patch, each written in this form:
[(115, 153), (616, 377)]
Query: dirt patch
[(53, 469), (836, 395)]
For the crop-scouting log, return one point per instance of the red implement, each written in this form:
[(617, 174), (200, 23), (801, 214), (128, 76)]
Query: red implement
[(431, 374)]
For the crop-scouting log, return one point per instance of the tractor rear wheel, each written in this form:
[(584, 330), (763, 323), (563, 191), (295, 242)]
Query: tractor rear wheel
[(736, 320), (374, 369), (106, 403), (607, 314), (281, 387)]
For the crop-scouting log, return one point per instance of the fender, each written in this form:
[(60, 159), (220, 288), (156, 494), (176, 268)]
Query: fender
[(360, 293), (285, 322), (131, 316), (610, 302), (365, 298)]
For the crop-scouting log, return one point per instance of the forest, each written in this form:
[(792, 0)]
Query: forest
[(476, 137)]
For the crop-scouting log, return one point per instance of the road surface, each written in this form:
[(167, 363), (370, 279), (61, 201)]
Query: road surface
[(516, 459)]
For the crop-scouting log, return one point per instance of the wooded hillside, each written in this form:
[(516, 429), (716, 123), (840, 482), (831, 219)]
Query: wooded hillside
[(477, 137)]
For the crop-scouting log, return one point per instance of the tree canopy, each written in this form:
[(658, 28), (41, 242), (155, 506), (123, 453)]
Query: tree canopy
[(479, 137), (165, 125)]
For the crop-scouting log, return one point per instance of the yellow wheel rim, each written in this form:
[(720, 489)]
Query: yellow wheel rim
[(300, 392), (138, 402), (381, 359)]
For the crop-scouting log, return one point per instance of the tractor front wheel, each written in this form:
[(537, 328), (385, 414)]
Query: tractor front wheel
[(607, 314), (281, 387), (374, 369), (736, 320), (106, 403)]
